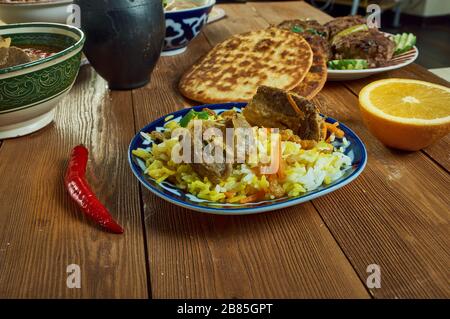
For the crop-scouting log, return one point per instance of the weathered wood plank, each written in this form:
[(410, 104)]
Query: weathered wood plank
[(42, 231), (278, 11), (395, 215)]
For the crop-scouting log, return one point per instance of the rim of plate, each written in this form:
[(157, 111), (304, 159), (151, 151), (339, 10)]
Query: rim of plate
[(382, 69), (36, 3), (208, 4), (62, 53), (250, 210)]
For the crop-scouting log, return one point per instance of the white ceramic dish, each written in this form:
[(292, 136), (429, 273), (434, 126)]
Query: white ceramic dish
[(400, 62), (56, 11)]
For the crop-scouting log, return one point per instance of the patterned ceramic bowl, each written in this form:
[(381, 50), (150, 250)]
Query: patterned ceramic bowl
[(184, 25), (29, 92)]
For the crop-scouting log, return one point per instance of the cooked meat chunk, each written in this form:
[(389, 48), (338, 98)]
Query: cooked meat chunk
[(215, 172), (228, 114), (237, 121), (311, 30), (274, 108), (372, 45), (341, 23), (158, 137), (12, 56), (276, 189), (4, 53), (243, 135), (288, 135), (305, 27)]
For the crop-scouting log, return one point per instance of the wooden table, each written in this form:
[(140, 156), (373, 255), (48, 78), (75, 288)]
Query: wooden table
[(394, 215)]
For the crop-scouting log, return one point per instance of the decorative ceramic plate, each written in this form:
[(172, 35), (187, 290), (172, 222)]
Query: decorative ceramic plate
[(356, 151), (397, 62)]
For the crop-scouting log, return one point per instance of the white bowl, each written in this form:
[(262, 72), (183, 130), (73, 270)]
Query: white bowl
[(56, 11)]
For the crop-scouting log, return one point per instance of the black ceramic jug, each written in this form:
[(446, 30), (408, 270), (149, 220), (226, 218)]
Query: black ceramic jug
[(124, 39)]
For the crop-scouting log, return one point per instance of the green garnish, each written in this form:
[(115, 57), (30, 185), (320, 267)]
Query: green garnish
[(404, 42), (191, 115), (187, 118), (202, 115), (353, 29), (315, 32), (297, 29), (348, 64)]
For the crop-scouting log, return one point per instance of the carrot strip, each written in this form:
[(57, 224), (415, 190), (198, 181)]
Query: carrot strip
[(324, 131), (333, 129), (230, 194), (253, 198), (308, 144), (281, 174)]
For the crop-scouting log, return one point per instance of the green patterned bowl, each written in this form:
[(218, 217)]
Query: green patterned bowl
[(30, 92)]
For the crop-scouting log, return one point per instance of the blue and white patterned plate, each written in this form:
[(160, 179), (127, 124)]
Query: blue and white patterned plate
[(356, 151)]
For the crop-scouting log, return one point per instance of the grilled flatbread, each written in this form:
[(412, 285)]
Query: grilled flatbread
[(316, 78), (235, 68), (316, 35)]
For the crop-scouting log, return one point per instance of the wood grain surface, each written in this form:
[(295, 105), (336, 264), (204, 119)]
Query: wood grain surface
[(394, 215), (42, 231)]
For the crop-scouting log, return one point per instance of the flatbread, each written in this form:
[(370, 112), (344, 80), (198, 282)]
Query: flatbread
[(316, 78), (316, 36), (234, 69)]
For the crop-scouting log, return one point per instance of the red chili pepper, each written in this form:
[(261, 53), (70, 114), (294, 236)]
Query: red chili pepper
[(78, 188)]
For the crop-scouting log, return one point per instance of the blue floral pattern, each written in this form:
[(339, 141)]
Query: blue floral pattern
[(182, 27)]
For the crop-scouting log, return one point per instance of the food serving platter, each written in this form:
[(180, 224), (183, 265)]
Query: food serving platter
[(397, 62), (356, 151)]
